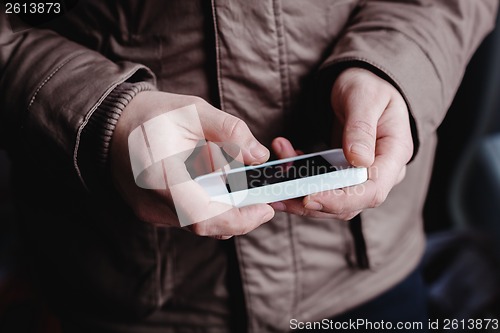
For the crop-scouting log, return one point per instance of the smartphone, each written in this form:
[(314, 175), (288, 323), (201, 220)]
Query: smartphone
[(282, 179)]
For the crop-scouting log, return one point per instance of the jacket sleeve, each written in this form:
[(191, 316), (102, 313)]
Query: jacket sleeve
[(50, 87), (420, 46)]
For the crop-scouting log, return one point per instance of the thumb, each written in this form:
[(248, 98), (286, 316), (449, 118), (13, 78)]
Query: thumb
[(219, 126), (359, 137)]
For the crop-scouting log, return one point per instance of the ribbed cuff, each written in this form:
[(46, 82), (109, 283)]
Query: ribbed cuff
[(96, 136)]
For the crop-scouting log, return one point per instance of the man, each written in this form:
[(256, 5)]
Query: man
[(112, 255)]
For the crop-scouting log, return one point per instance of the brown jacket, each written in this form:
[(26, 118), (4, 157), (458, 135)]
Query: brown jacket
[(257, 60)]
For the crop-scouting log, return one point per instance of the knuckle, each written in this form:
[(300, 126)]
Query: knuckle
[(199, 229), (232, 126), (198, 101), (361, 126)]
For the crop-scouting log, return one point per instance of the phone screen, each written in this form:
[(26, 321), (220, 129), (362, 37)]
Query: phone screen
[(277, 173)]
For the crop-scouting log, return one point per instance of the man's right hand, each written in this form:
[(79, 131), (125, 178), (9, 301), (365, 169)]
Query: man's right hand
[(157, 206)]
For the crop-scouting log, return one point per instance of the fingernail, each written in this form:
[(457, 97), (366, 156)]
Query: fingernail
[(258, 151), (313, 205), (360, 149), (279, 206)]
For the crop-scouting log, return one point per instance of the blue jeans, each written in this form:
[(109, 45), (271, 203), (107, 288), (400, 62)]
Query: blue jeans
[(406, 303)]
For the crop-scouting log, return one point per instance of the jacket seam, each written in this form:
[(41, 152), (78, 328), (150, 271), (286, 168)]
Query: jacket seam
[(246, 294), (49, 77), (282, 58), (285, 97), (220, 84), (295, 260)]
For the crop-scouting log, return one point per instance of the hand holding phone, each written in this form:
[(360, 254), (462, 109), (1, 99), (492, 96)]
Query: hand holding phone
[(372, 123), (154, 136), (282, 179)]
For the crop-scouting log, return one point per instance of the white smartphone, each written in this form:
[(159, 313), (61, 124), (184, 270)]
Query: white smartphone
[(282, 179)]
